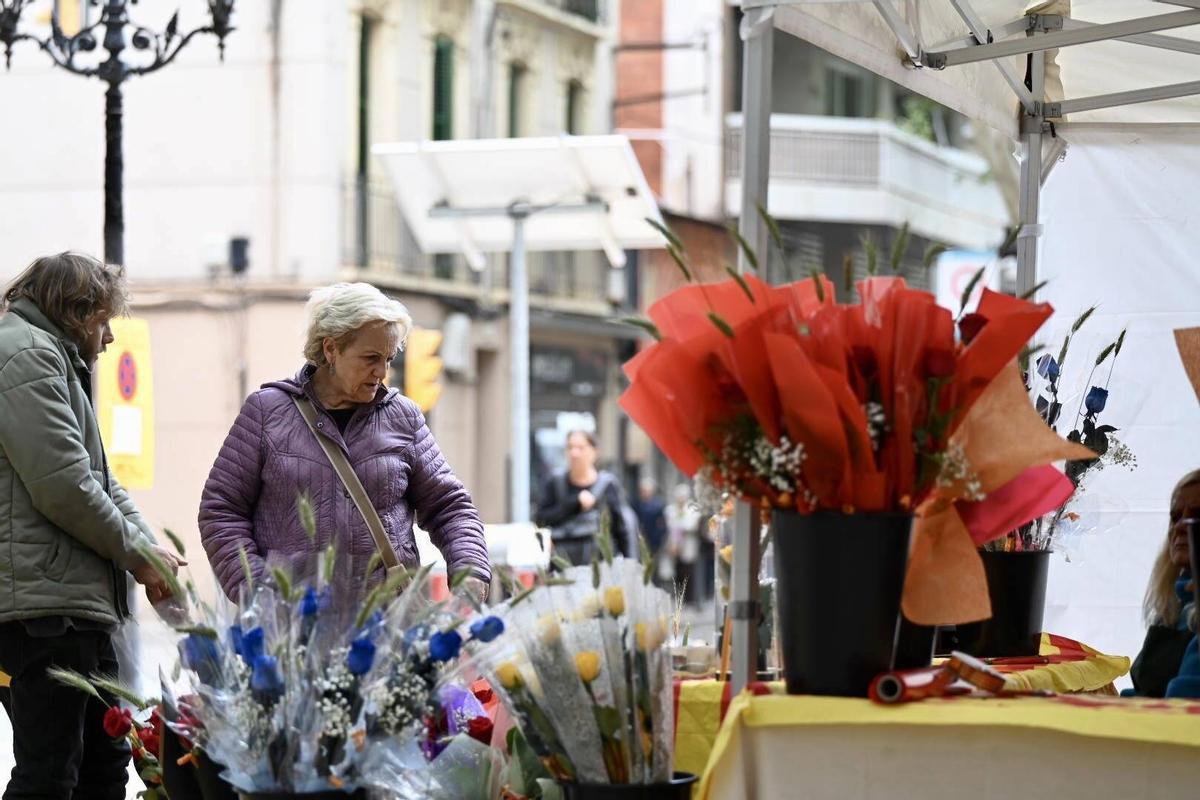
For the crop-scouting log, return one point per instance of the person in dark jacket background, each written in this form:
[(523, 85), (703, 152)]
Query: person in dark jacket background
[(1169, 606), (271, 457), (573, 503), (69, 533)]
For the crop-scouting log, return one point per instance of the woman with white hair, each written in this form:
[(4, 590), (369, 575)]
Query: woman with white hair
[(359, 450)]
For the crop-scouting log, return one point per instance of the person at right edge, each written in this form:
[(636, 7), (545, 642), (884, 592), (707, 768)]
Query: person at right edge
[(1170, 606), (572, 505), (69, 534)]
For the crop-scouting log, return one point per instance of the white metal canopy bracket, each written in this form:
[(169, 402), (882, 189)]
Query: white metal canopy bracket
[(1057, 39)]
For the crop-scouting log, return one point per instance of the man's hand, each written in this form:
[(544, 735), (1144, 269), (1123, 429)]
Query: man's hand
[(587, 500), (148, 575), (474, 587)]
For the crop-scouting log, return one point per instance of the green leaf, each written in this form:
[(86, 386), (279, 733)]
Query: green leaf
[(1027, 354), (645, 324), (771, 224), (677, 256), (848, 273), (247, 570), (520, 598), (647, 560), (899, 248), (1029, 295), (1082, 319), (971, 284), (609, 721), (1120, 343), (283, 582), (671, 238), (816, 279), (105, 683), (595, 570), (165, 572), (308, 518), (932, 253), (741, 281), (1010, 238), (69, 677), (374, 562), (198, 630), (459, 578), (176, 542), (561, 562), (1105, 353), (872, 253), (721, 324), (745, 247), (328, 563)]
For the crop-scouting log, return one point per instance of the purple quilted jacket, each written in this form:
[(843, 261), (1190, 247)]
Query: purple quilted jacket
[(270, 457)]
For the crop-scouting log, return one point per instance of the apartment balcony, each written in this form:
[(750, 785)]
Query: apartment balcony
[(589, 17), (377, 242), (868, 171)]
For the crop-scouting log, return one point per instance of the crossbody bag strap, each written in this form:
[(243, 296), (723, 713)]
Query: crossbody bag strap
[(349, 478)]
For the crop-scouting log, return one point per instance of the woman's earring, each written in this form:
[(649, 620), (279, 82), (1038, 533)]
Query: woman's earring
[(332, 371)]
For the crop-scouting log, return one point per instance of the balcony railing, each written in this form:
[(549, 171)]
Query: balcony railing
[(834, 169), (375, 237)]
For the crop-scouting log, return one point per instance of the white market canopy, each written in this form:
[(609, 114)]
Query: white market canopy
[(587, 192), (1157, 52)]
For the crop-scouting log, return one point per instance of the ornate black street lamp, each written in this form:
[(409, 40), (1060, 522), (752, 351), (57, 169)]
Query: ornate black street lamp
[(110, 32)]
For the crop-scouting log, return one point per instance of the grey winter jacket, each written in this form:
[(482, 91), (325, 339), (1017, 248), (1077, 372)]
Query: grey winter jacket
[(270, 457), (68, 531)]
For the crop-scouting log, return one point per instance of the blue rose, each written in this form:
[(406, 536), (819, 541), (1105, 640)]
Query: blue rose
[(487, 629), (265, 679), (310, 604), (361, 656), (253, 644), (201, 655), (1096, 399), (444, 646), (236, 639), (1047, 367)]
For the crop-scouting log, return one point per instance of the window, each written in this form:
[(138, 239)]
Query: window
[(845, 94), (574, 108), (443, 88), (516, 88)]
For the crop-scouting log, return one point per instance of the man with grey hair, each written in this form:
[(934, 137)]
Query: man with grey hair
[(69, 534)]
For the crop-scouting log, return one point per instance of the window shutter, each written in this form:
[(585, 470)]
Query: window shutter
[(443, 88)]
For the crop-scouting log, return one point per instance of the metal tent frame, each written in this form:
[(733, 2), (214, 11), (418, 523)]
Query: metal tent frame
[(1034, 35)]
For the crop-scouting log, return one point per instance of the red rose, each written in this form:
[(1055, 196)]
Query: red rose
[(939, 363), (970, 326), (484, 694), (864, 359), (117, 722), (480, 729), (151, 738)]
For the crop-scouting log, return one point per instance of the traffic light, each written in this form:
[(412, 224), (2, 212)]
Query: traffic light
[(422, 368)]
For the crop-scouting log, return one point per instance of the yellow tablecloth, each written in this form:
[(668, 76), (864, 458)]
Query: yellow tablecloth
[(1037, 733), (701, 704)]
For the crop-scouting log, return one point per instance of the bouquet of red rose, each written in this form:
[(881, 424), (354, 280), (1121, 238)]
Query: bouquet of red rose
[(779, 396)]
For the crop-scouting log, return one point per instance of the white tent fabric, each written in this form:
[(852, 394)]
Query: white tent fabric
[(1122, 224), (856, 32)]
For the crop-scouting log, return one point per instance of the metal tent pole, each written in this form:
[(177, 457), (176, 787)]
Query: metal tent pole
[(518, 313), (1031, 182), (758, 29)]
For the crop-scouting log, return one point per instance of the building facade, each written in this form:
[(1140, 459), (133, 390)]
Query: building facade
[(273, 146)]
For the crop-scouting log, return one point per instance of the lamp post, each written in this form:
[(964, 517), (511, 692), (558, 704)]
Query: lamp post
[(116, 33)]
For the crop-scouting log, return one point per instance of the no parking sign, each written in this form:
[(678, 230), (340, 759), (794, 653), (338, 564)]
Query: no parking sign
[(125, 403)]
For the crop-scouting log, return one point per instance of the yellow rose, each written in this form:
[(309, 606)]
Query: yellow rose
[(509, 675), (548, 629), (614, 598), (588, 665), (727, 554), (649, 635)]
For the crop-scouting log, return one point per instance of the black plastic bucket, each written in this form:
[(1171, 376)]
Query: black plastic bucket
[(839, 581), (1017, 588)]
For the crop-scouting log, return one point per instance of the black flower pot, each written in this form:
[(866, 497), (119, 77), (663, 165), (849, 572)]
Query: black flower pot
[(914, 645), (839, 581), (678, 788), (1017, 588)]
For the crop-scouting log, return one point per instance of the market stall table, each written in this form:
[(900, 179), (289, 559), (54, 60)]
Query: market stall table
[(1067, 747)]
